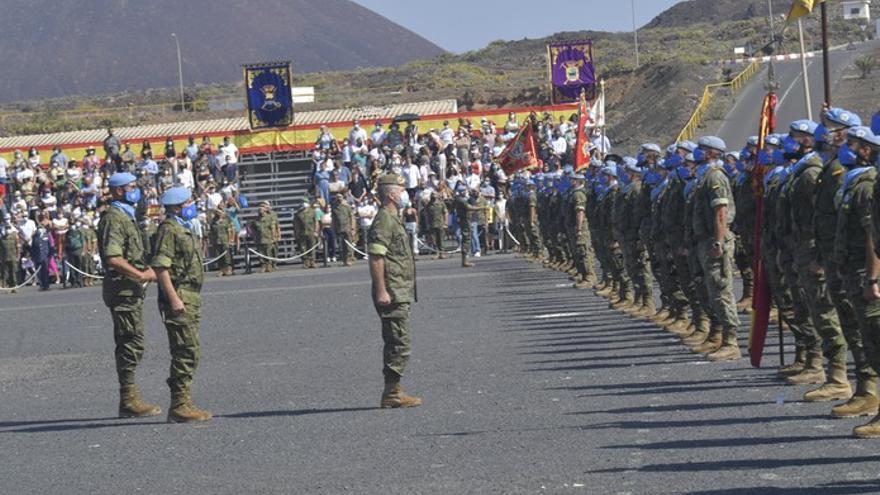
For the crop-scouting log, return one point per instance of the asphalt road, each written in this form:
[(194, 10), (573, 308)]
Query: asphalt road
[(743, 118), (529, 387)]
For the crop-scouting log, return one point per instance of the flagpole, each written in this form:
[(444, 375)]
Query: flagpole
[(603, 150), (804, 71), (825, 64)]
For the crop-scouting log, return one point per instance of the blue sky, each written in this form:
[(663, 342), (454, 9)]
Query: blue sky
[(462, 25)]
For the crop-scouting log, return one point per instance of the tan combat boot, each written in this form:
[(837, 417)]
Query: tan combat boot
[(625, 301), (701, 331), (393, 396), (836, 387), (131, 405), (679, 326), (729, 350), (605, 290), (800, 358), (184, 411), (712, 342), (863, 403), (813, 371), (745, 304), (660, 315), (583, 284), (869, 430), (647, 310), (442, 255), (464, 262)]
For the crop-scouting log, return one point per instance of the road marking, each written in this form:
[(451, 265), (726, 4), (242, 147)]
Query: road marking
[(557, 315), (798, 78)]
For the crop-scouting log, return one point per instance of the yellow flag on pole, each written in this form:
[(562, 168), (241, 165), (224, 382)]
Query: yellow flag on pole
[(800, 8)]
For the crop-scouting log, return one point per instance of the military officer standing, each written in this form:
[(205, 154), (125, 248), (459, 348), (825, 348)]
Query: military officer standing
[(10, 253), (392, 269), (713, 213), (178, 264), (305, 229), (343, 224), (121, 246), (223, 240), (268, 234), (583, 258), (437, 222)]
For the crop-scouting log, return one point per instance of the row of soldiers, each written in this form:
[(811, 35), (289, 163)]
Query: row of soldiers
[(686, 219)]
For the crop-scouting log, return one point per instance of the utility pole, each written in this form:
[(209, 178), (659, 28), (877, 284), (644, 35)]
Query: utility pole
[(772, 24), (804, 70), (635, 31), (826, 69), (179, 73)]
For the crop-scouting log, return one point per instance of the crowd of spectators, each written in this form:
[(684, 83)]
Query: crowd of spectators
[(51, 206), (434, 162)]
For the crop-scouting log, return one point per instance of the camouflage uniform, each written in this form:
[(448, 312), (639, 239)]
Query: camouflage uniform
[(304, 231)]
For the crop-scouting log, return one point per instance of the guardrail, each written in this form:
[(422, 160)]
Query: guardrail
[(735, 84)]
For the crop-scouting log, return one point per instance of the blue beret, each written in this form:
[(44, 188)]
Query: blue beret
[(804, 125), (578, 177), (752, 141), (687, 146), (820, 133), (121, 179), (176, 196), (772, 140), (714, 142), (842, 117), (734, 154), (672, 162), (863, 134), (689, 157), (612, 171), (670, 149), (651, 147)]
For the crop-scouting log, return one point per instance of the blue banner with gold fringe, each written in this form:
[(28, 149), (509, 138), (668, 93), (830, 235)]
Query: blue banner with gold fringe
[(267, 86)]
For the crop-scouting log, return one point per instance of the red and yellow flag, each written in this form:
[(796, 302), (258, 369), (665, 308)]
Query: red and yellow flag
[(582, 148), (521, 152), (801, 8)]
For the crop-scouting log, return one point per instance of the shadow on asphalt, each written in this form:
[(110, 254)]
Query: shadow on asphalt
[(674, 408), (709, 443), (73, 425), (744, 464), (289, 413), (703, 423), (836, 488)]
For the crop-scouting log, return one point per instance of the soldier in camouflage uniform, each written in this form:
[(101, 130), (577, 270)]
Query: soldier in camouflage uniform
[(305, 230), (580, 233), (122, 254), (836, 122), (90, 249), (856, 251), (343, 225), (223, 240), (744, 223), (673, 232), (533, 225), (268, 233), (178, 264), (635, 208), (613, 209), (437, 216), (392, 268), (10, 253)]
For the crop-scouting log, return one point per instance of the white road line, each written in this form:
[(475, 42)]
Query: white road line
[(557, 315)]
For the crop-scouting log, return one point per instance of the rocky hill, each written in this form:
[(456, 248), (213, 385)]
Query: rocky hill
[(690, 12), (52, 48)]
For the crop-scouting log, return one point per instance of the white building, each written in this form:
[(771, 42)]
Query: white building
[(856, 9)]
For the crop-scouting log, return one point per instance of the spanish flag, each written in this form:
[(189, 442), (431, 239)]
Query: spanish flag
[(801, 8)]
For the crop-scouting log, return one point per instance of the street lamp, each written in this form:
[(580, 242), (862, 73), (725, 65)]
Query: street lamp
[(179, 72)]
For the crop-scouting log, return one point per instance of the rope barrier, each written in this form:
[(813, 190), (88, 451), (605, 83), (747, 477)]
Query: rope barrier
[(429, 248), (77, 270), (284, 260), (358, 251), (206, 263), (26, 282), (507, 229)]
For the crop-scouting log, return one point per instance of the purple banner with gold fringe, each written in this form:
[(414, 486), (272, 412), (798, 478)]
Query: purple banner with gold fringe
[(570, 70)]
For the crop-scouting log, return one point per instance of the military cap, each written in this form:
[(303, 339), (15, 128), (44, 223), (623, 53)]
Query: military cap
[(734, 154), (176, 196), (805, 126), (689, 157), (820, 133), (672, 162), (121, 179), (578, 177), (651, 147), (391, 180), (688, 146), (772, 140), (608, 170), (842, 117), (752, 141), (631, 165), (864, 134), (713, 142)]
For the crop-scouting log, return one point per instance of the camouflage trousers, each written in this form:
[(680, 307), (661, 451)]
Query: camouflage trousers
[(535, 240), (395, 338), (343, 239), (804, 331), (638, 267), (128, 335), (8, 273), (867, 314), (849, 324), (718, 279), (823, 313), (306, 243), (745, 252), (183, 341), (270, 250)]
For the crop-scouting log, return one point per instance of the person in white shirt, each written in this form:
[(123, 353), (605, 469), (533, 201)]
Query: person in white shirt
[(411, 176), (4, 166), (473, 181), (185, 178), (229, 151), (365, 213), (447, 135), (356, 133), (378, 136), (560, 145), (27, 227), (602, 143), (213, 198)]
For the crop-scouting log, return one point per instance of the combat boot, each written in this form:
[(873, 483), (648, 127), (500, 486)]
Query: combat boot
[(625, 301), (647, 310), (393, 396), (869, 430), (729, 350), (442, 255), (131, 405), (712, 342), (800, 357), (660, 315), (464, 262), (184, 411), (679, 326), (744, 305), (813, 371), (583, 284), (863, 403), (836, 387), (698, 336), (605, 291)]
